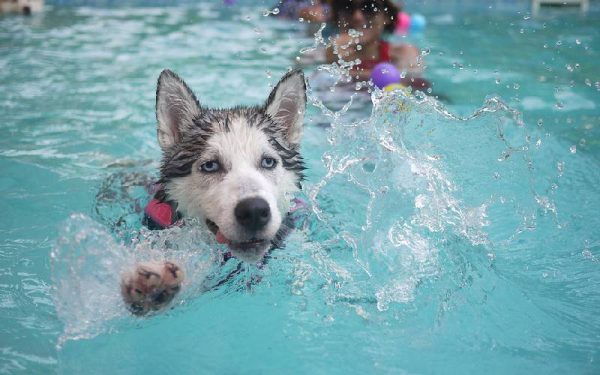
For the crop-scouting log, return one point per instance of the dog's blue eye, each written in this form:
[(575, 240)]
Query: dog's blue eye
[(210, 166), (268, 163)]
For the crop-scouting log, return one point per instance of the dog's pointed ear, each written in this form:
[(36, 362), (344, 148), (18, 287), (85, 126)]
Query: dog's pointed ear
[(286, 104), (176, 108)]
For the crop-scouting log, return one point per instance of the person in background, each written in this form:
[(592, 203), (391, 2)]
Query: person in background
[(312, 12), (315, 11), (372, 18)]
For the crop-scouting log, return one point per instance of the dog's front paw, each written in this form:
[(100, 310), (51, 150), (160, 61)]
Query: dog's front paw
[(151, 286)]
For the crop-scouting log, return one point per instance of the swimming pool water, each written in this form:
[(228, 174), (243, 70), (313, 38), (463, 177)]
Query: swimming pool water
[(447, 238)]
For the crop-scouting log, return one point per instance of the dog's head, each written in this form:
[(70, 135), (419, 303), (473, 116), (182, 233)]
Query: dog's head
[(236, 169)]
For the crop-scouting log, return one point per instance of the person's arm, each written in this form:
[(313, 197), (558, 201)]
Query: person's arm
[(313, 13), (346, 49), (407, 58), (347, 46)]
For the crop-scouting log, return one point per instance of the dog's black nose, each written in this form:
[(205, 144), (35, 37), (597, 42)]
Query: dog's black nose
[(253, 213)]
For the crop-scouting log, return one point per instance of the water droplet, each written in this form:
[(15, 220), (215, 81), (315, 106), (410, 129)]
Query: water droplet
[(540, 123), (561, 168), (588, 82), (558, 43), (268, 12), (358, 47), (569, 68), (498, 81), (425, 52), (559, 105), (505, 155), (527, 17), (582, 142), (354, 33), (522, 31), (516, 86), (577, 41), (545, 45), (269, 75), (573, 149)]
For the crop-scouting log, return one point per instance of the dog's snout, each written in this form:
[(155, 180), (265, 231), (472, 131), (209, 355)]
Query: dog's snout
[(253, 213)]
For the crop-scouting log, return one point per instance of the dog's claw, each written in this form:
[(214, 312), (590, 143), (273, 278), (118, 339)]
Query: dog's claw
[(151, 286)]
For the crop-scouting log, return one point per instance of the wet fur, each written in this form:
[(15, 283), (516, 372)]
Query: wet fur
[(239, 140)]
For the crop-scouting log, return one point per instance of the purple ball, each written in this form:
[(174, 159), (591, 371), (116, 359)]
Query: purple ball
[(384, 74)]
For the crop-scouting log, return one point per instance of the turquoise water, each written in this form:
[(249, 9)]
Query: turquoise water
[(446, 238)]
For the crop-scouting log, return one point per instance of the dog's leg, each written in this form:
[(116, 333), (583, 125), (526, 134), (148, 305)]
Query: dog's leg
[(151, 286)]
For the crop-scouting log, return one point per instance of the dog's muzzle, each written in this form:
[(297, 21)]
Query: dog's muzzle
[(252, 214)]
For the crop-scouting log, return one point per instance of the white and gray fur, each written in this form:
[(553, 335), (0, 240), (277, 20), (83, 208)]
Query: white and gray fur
[(238, 139)]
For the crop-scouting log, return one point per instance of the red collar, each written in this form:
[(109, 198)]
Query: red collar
[(159, 215)]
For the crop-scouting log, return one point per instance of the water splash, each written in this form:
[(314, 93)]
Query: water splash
[(87, 263), (426, 177)]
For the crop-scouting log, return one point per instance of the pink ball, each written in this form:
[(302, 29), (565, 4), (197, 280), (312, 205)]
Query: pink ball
[(402, 23)]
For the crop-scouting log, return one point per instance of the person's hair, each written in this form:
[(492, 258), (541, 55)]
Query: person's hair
[(386, 7)]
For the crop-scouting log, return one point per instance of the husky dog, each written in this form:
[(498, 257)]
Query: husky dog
[(235, 169)]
